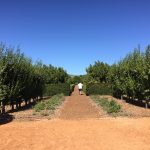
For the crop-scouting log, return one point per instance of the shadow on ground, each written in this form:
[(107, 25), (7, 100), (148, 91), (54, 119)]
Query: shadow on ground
[(28, 106), (6, 118), (136, 103), (23, 108)]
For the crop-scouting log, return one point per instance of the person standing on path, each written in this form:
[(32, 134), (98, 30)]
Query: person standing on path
[(80, 86)]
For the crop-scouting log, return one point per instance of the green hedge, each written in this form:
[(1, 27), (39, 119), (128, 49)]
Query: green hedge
[(84, 88), (53, 89), (98, 89), (72, 87)]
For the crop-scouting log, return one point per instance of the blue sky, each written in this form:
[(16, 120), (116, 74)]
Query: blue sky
[(75, 33)]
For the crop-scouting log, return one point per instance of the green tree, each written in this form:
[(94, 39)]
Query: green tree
[(98, 72)]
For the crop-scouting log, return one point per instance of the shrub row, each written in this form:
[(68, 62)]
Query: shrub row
[(129, 77), (46, 107), (98, 89), (110, 106), (20, 79), (53, 89)]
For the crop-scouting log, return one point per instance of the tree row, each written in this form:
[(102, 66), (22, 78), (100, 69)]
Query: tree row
[(130, 76), (20, 79)]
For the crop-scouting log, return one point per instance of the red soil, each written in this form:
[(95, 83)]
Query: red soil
[(78, 127)]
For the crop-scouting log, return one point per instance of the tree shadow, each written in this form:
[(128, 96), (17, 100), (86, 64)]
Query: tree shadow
[(135, 102), (23, 108), (28, 106), (6, 118)]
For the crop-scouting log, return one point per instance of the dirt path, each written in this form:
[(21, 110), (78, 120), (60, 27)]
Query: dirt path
[(92, 134), (79, 127), (79, 107)]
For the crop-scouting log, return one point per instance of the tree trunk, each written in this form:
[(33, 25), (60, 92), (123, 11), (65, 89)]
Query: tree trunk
[(0, 107), (3, 107), (146, 104), (12, 105), (121, 97), (26, 102), (17, 105), (20, 104)]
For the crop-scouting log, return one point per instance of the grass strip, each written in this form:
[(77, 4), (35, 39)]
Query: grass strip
[(47, 107), (110, 106)]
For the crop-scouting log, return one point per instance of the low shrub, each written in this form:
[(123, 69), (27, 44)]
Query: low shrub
[(49, 105), (54, 101), (98, 89), (39, 106), (45, 113), (113, 107), (53, 89), (110, 106)]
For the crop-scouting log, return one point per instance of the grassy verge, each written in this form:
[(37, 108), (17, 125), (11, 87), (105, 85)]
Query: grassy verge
[(46, 108), (110, 106)]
